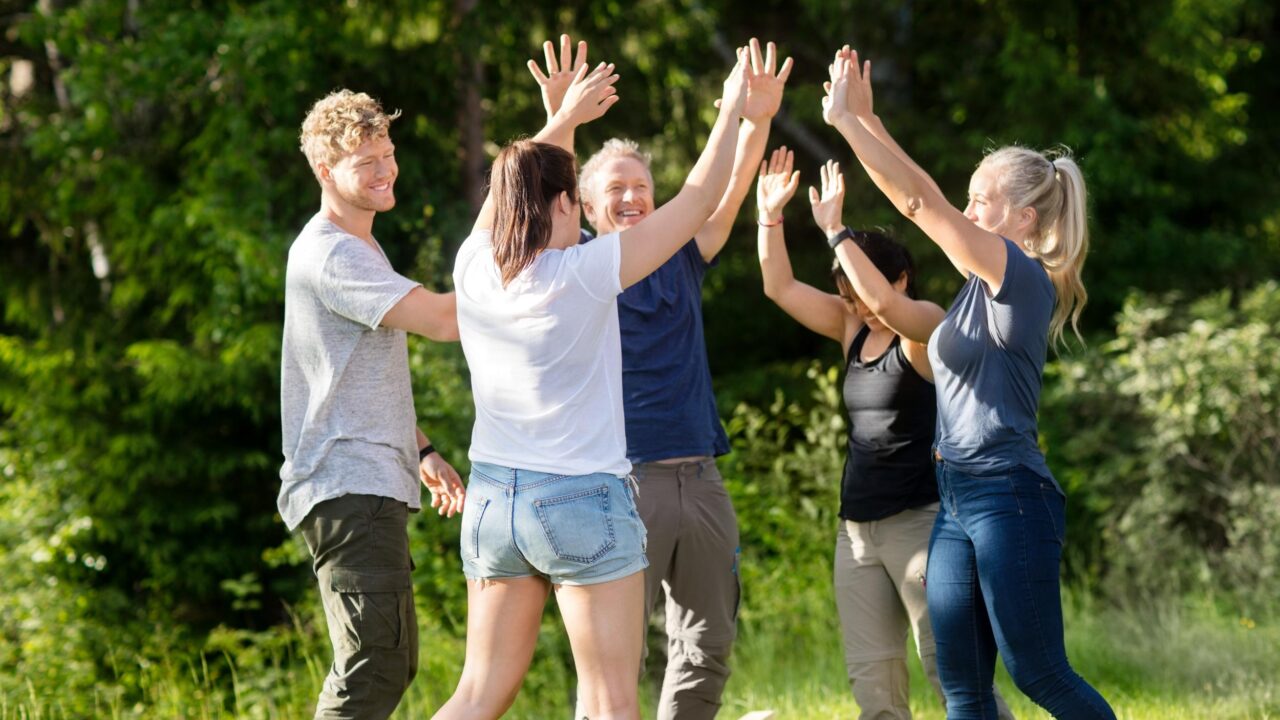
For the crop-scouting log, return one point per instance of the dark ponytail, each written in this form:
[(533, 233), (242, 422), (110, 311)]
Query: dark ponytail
[(528, 176)]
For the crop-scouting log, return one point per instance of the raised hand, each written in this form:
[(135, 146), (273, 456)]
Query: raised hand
[(828, 206), (776, 185), (442, 481), (560, 73), (735, 85), (765, 83), (590, 95), (849, 87)]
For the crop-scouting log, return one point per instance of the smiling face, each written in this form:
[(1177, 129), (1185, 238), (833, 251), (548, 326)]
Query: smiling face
[(365, 178), (620, 195)]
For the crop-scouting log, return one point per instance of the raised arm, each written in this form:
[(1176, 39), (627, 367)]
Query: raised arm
[(821, 312), (912, 319), (765, 84), (588, 95), (970, 248), (655, 239)]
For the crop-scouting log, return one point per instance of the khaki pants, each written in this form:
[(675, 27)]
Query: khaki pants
[(360, 546), (693, 561), (879, 586)]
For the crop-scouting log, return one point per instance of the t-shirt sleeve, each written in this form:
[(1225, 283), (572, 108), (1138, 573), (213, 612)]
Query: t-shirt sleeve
[(693, 256), (358, 284), (596, 265), (1023, 307)]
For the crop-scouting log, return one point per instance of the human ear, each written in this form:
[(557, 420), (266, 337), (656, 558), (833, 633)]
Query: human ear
[(1027, 217)]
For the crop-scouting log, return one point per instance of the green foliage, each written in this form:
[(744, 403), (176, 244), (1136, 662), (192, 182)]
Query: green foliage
[(1172, 432), (150, 184)]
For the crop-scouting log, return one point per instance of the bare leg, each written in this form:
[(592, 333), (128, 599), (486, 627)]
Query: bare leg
[(605, 625), (502, 629)]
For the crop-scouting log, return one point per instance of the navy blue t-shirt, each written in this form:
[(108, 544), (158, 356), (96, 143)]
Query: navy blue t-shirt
[(988, 357), (668, 404)]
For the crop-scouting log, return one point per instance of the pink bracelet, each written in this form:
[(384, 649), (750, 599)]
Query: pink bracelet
[(762, 223)]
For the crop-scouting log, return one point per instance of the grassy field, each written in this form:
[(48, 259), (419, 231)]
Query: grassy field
[(1182, 662)]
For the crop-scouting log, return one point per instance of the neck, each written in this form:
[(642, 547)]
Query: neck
[(352, 219)]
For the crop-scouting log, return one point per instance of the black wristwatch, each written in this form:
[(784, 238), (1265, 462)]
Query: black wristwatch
[(835, 240), (424, 452)]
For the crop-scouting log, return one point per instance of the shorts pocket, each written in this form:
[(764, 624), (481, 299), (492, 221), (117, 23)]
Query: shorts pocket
[(578, 525), (472, 514), (370, 606)]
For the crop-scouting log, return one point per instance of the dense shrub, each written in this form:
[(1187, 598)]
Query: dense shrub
[(1170, 436)]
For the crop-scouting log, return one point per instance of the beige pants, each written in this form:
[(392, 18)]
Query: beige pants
[(879, 587)]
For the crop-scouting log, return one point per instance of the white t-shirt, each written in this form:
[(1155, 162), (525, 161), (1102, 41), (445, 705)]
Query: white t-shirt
[(546, 358)]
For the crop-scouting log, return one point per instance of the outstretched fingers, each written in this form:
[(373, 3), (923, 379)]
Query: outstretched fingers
[(537, 73)]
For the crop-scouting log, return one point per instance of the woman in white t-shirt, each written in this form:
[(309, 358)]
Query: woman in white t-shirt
[(549, 504)]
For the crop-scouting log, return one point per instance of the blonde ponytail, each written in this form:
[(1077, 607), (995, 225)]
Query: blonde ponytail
[(1051, 183)]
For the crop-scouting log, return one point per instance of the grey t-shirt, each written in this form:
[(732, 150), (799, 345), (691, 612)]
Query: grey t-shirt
[(988, 358), (346, 406)]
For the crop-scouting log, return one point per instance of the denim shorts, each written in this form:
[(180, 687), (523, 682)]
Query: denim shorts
[(570, 529)]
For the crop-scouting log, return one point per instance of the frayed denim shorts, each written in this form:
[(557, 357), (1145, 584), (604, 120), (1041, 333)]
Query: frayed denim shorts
[(569, 529)]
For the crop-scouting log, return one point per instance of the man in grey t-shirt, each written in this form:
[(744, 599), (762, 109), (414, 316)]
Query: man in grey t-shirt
[(353, 452)]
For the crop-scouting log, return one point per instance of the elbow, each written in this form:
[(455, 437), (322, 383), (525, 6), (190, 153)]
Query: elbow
[(910, 205), (877, 306)]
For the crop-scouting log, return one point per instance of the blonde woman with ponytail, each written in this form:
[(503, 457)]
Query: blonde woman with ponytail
[(994, 555)]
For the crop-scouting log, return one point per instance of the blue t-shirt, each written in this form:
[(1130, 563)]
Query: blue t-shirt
[(668, 404), (988, 357)]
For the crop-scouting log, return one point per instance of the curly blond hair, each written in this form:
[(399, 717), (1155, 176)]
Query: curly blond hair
[(339, 123)]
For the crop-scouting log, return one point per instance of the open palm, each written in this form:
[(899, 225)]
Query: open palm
[(777, 183), (765, 82)]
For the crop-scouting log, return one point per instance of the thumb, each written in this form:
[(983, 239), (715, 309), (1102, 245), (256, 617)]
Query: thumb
[(813, 195), (717, 102)]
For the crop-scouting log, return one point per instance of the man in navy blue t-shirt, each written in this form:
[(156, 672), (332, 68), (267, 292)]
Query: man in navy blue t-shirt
[(673, 429)]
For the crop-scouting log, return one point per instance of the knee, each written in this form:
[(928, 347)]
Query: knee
[(881, 688), (705, 658), (1041, 685)]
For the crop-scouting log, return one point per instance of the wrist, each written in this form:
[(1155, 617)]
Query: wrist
[(426, 450), (767, 219), (838, 237), (833, 230)]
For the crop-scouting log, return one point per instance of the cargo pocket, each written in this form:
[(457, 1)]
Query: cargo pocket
[(370, 605), (578, 526)]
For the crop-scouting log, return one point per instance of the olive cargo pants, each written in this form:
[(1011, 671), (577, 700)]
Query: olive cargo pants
[(360, 546)]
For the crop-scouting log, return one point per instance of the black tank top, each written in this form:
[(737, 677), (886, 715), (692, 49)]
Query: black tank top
[(892, 414)]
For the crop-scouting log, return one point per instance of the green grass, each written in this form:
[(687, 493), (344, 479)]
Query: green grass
[(1173, 662)]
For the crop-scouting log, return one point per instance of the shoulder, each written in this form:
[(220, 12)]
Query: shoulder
[(316, 243), (1023, 275)]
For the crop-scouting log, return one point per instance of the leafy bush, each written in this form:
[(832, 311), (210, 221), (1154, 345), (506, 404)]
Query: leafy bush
[(1171, 433)]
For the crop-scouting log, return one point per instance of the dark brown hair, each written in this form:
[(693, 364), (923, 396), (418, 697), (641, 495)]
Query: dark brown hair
[(889, 256), (527, 178)]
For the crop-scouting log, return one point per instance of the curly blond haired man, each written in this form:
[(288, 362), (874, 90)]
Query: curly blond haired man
[(353, 452)]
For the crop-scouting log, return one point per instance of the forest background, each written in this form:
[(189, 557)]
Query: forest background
[(151, 183)]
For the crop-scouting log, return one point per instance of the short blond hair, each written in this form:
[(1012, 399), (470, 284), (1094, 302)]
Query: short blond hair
[(613, 148), (339, 123)]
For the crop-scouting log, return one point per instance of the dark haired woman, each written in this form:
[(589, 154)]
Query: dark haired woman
[(996, 547), (549, 504), (888, 496)]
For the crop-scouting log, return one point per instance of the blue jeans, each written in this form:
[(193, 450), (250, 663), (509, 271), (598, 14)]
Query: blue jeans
[(992, 584)]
